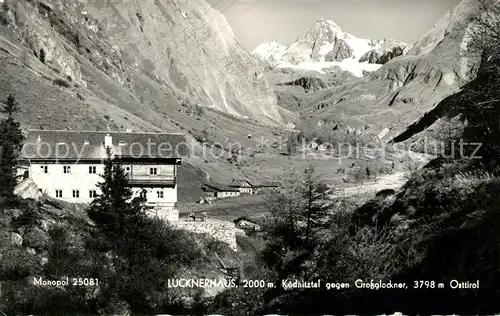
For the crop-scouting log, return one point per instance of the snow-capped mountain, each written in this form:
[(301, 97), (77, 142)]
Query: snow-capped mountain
[(270, 51), (325, 45), (384, 51)]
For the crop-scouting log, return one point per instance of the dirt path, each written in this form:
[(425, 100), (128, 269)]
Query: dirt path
[(387, 181)]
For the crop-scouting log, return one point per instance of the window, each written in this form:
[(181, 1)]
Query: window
[(59, 193), (143, 194), (76, 193), (67, 169), (128, 168), (92, 169), (92, 194), (160, 194), (45, 169), (153, 171)]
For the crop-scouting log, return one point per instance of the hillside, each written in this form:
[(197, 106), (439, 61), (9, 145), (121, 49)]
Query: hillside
[(401, 90), (52, 240), (183, 49)]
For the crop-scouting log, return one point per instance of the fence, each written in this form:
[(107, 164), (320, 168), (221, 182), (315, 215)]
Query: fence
[(219, 217)]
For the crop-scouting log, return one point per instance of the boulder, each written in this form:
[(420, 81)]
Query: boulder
[(27, 189), (44, 225), (16, 239), (31, 251)]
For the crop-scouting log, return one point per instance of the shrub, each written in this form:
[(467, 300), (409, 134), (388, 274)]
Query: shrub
[(410, 167), (42, 55), (17, 264), (29, 217), (196, 110), (62, 83), (3, 16)]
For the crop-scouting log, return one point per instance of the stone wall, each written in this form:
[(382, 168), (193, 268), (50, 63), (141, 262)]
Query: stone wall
[(220, 230), (169, 215)]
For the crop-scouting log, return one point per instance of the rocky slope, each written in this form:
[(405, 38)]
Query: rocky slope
[(408, 86), (187, 48), (385, 51)]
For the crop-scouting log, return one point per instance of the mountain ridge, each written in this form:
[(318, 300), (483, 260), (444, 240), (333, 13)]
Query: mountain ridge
[(326, 45), (187, 47)]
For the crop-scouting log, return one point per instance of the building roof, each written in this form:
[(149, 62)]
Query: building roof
[(269, 184), (240, 183), (89, 145), (217, 187)]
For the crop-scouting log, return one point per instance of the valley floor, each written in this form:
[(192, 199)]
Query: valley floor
[(254, 206)]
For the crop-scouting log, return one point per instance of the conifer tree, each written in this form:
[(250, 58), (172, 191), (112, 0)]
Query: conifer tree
[(113, 211), (297, 222), (11, 141)]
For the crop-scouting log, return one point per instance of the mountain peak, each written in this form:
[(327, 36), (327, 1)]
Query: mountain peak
[(326, 21), (324, 31), (326, 24)]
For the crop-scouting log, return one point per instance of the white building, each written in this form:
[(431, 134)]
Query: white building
[(322, 147), (219, 191), (67, 165), (243, 186)]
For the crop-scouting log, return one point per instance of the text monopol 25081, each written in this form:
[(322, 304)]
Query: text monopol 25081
[(66, 281)]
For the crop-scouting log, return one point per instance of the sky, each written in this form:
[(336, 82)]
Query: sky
[(255, 22)]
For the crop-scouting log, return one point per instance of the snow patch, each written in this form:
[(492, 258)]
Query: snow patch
[(271, 50), (360, 46), (325, 49), (449, 79), (383, 133), (351, 65)]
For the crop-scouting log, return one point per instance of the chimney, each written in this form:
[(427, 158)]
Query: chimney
[(108, 141)]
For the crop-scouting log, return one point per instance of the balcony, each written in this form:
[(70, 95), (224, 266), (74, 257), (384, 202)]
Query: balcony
[(152, 180)]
